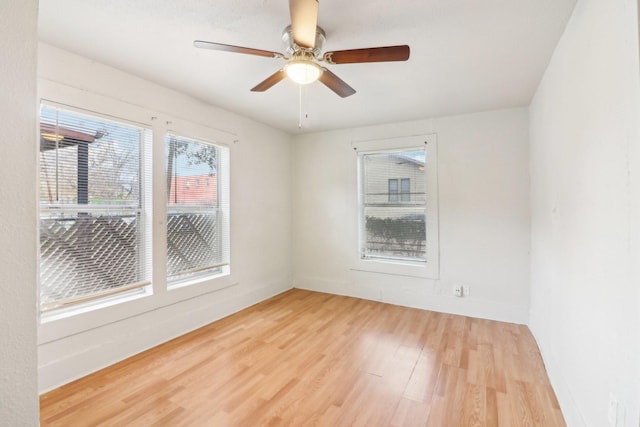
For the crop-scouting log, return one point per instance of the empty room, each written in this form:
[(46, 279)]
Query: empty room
[(297, 213)]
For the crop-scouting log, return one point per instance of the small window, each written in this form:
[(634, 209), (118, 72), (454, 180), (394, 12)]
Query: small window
[(405, 189), (393, 190), (198, 216)]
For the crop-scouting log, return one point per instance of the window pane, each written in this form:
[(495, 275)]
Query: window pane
[(92, 233), (88, 160), (393, 190), (84, 255), (405, 189), (393, 211), (197, 241), (395, 233)]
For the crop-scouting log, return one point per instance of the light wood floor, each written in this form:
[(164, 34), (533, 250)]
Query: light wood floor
[(312, 359)]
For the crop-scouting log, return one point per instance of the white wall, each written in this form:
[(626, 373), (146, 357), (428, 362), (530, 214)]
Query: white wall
[(484, 216), (260, 221), (585, 145), (18, 243)]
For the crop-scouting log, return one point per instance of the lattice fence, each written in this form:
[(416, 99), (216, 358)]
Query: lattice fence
[(83, 255), (192, 242)]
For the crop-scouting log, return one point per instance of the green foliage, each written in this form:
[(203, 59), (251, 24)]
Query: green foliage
[(401, 235), (195, 154)]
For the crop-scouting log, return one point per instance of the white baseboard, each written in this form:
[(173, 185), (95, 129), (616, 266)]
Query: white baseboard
[(427, 296)]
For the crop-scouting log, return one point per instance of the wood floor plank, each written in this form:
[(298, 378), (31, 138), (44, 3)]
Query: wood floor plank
[(410, 413), (310, 359), (474, 411), (424, 377)]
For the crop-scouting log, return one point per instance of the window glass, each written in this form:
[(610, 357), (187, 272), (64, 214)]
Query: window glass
[(393, 190), (405, 190), (93, 230), (394, 227), (197, 215)]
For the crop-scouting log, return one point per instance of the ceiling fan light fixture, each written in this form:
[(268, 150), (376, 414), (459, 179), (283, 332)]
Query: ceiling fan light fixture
[(303, 71)]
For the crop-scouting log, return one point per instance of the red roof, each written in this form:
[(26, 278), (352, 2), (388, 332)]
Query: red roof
[(195, 190)]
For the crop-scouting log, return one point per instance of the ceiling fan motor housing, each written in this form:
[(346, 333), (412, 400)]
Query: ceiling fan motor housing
[(291, 48)]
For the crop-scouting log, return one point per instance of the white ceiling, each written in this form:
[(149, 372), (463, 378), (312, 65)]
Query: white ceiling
[(466, 55)]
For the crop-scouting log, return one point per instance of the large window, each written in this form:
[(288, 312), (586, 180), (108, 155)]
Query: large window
[(94, 230), (197, 208), (398, 205), (98, 215)]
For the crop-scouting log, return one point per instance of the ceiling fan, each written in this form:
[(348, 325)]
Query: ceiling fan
[(304, 41)]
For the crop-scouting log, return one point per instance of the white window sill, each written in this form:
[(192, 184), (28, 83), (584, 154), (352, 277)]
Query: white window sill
[(200, 278), (396, 268), (97, 304)]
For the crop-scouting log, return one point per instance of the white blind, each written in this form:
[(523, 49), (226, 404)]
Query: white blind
[(197, 207), (393, 195), (94, 238)]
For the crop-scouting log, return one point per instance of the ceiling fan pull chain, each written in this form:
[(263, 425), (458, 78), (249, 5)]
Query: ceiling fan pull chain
[(306, 102), (300, 107)]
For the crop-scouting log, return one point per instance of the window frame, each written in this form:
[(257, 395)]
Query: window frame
[(429, 268), (223, 214), (64, 323), (142, 211)]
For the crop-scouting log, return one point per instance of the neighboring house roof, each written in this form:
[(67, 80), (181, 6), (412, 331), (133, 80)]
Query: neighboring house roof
[(194, 190), (406, 159), (52, 136)]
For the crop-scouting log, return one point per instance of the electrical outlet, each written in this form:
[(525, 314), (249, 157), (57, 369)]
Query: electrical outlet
[(465, 291), (457, 290), (613, 410)]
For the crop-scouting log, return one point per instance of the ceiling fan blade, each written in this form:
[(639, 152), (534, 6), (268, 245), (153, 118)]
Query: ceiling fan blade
[(270, 81), (336, 84), (372, 54), (304, 19), (236, 49)]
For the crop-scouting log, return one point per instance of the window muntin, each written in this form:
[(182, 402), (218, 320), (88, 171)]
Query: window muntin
[(94, 234), (394, 228), (197, 215)]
